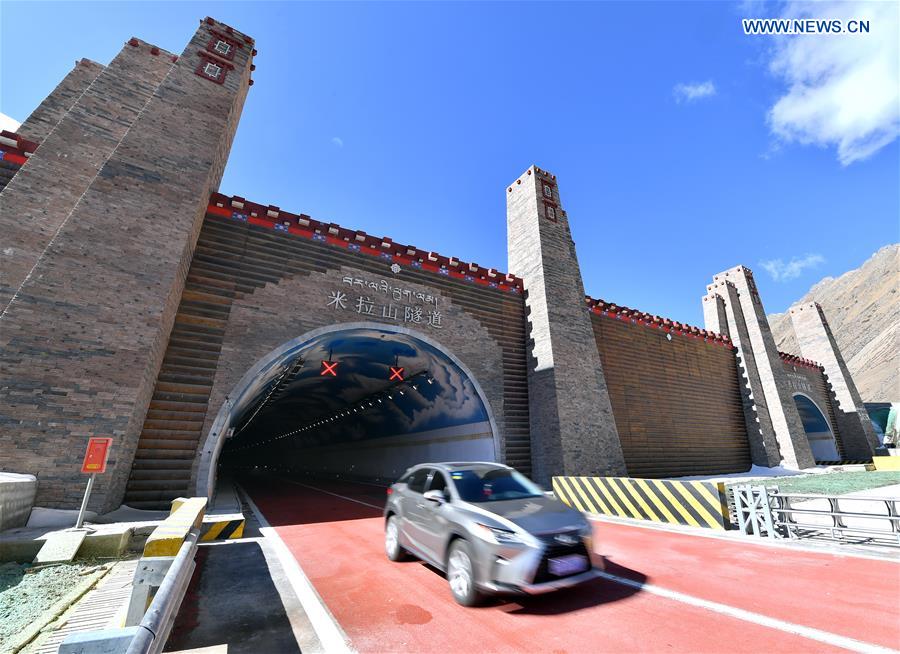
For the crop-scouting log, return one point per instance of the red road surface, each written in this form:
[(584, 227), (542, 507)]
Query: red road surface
[(407, 607)]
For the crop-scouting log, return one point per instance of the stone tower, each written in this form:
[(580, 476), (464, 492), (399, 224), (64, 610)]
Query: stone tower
[(732, 306), (817, 342), (104, 218), (572, 426)]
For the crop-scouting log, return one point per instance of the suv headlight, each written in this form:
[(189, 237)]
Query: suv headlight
[(498, 536)]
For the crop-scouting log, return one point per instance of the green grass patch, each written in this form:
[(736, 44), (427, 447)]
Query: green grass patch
[(835, 483)]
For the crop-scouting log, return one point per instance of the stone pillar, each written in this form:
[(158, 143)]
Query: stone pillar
[(572, 426), (44, 192), (82, 342), (775, 411), (56, 105), (722, 313), (715, 318), (817, 343)]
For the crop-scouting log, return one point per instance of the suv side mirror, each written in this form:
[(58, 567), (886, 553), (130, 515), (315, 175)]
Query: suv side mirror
[(436, 496)]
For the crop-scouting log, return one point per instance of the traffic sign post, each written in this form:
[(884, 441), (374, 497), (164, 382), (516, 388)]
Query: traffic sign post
[(94, 464)]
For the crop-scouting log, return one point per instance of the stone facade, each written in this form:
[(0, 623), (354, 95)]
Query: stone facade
[(55, 106), (94, 108), (818, 343), (773, 407), (83, 339), (134, 298), (574, 432)]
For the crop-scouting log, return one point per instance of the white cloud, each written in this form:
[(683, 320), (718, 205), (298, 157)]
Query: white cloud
[(782, 272), (8, 123), (694, 91), (843, 89), (337, 141)]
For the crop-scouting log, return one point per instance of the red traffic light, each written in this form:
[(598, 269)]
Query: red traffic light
[(396, 374), (329, 368)]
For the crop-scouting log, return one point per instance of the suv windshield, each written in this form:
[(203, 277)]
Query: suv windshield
[(493, 485)]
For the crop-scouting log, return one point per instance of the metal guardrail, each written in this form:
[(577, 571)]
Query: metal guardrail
[(158, 588), (786, 515), (157, 622), (763, 511)]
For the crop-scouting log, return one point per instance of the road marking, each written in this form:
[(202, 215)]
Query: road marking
[(349, 499), (724, 609), (328, 630), (756, 618), (816, 547)]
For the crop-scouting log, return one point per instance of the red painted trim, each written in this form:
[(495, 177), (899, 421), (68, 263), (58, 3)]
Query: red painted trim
[(219, 211), (371, 245)]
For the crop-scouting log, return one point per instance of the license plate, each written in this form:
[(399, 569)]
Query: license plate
[(566, 565)]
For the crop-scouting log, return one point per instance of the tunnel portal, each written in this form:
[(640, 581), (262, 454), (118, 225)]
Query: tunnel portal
[(360, 403)]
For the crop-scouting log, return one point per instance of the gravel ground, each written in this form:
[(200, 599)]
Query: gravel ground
[(24, 596)]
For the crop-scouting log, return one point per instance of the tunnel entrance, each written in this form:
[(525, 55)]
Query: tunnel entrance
[(358, 402), (818, 431)]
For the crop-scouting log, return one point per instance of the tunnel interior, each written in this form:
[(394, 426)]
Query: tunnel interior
[(357, 403)]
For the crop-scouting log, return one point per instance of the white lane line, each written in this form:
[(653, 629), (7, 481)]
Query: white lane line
[(328, 630), (349, 499), (748, 616), (756, 618), (818, 547)]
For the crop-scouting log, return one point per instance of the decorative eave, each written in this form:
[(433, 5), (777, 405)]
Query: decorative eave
[(793, 359), (14, 148), (272, 217), (636, 317)]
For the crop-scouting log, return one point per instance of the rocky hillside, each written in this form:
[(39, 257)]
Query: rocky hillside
[(863, 309)]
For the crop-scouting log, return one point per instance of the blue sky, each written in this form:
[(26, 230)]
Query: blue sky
[(682, 147)]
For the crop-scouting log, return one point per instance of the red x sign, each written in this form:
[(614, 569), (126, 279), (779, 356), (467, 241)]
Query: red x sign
[(396, 373), (329, 368)]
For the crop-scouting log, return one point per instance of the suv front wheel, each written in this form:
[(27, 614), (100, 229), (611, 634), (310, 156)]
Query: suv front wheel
[(392, 540), (461, 574)]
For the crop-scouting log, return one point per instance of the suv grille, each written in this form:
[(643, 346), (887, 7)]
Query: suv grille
[(553, 549)]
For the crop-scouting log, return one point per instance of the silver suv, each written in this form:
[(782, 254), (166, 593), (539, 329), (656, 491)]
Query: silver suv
[(490, 528)]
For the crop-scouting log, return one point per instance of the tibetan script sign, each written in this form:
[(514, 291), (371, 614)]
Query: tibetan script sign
[(396, 293)]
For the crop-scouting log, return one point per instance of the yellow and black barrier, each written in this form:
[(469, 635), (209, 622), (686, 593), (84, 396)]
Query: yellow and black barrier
[(167, 538), (222, 527), (691, 503)]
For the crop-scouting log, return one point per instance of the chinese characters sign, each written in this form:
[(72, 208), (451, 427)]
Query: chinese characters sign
[(398, 304)]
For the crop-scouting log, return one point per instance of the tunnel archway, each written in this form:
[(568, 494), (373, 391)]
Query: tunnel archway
[(361, 418), (818, 430)]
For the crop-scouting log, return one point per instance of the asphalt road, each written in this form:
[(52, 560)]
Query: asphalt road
[(664, 591)]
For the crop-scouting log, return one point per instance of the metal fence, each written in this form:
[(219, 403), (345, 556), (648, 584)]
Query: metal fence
[(764, 511), (158, 588)]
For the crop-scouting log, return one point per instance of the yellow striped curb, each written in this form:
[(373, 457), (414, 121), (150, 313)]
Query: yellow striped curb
[(692, 503), (166, 539), (222, 527)]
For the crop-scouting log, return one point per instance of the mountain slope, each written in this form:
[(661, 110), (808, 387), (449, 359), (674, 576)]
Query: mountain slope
[(863, 309)]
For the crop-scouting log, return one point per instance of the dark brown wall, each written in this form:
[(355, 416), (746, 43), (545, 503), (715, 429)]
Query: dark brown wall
[(82, 343), (676, 403), (251, 288)]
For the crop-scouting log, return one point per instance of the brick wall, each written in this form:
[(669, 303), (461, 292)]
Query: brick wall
[(56, 105), (676, 402), (252, 288), (94, 107), (81, 345)]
